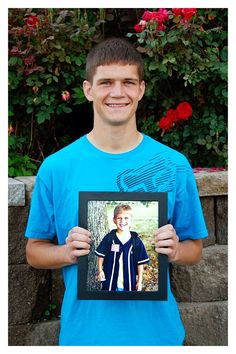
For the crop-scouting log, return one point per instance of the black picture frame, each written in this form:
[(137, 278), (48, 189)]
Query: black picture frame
[(90, 206)]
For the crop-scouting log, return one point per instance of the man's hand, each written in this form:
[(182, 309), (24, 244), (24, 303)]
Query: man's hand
[(167, 242), (78, 243), (186, 252)]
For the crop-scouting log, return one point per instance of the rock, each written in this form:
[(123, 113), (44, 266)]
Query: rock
[(212, 183), (17, 217), (205, 323), (222, 220), (16, 193), (44, 333), (28, 293), (205, 281)]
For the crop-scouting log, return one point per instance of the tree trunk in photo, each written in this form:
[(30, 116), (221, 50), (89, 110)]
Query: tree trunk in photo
[(98, 226)]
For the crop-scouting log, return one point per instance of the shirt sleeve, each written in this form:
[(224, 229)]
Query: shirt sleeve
[(188, 219), (101, 250), (41, 217), (142, 256)]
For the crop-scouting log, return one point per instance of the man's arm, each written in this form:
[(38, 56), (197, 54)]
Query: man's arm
[(186, 252), (43, 254)]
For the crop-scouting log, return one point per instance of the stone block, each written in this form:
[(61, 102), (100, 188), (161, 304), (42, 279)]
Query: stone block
[(17, 218), (222, 220), (37, 334), (205, 323), (28, 293), (57, 290), (29, 182), (205, 281), (208, 208), (212, 183), (16, 193)]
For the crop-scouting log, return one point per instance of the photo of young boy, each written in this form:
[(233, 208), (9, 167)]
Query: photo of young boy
[(121, 254)]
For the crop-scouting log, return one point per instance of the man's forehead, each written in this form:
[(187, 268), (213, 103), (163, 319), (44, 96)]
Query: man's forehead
[(117, 70)]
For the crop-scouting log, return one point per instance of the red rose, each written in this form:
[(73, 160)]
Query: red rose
[(138, 28), (188, 13), (177, 12), (32, 21), (172, 115), (162, 15), (147, 16), (165, 123), (184, 110)]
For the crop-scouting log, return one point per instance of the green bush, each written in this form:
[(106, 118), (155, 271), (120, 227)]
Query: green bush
[(47, 55), (185, 56)]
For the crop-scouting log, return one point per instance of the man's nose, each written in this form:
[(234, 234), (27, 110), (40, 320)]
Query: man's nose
[(117, 90)]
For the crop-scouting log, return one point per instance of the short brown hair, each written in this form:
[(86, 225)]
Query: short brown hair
[(122, 207), (110, 51)]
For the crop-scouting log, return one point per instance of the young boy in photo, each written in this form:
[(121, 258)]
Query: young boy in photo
[(121, 255)]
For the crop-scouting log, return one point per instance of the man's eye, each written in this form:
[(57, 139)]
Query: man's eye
[(129, 83), (105, 83)]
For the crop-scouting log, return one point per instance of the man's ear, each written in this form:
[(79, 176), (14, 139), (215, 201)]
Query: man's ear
[(87, 90), (142, 89)]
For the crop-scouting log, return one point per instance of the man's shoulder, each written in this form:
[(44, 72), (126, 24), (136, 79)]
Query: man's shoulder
[(64, 156), (165, 152)]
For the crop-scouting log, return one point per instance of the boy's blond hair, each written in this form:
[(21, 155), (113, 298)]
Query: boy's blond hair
[(122, 207)]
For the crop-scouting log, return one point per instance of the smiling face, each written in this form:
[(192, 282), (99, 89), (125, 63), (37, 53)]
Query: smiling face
[(115, 92), (123, 221)]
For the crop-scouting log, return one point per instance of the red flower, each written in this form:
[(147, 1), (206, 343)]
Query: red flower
[(172, 115), (188, 13), (140, 27), (184, 110), (177, 12), (165, 123), (162, 15), (147, 16), (32, 21), (65, 95)]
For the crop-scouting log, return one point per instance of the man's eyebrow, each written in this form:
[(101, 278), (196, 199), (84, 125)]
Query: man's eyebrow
[(125, 79)]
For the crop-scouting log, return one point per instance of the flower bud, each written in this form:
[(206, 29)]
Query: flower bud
[(65, 95)]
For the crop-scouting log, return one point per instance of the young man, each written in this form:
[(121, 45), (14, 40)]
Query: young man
[(129, 161), (121, 254)]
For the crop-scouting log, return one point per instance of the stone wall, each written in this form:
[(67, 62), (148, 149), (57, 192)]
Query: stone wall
[(35, 295)]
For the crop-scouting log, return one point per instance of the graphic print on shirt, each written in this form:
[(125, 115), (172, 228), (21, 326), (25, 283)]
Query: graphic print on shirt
[(157, 175)]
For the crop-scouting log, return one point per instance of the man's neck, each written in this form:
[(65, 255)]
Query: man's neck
[(116, 140)]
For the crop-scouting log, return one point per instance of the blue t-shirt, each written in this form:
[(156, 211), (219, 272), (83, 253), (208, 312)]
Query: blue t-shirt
[(150, 167)]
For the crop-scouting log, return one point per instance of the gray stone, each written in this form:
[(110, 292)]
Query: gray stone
[(205, 323), (44, 333), (29, 182), (212, 183), (208, 208), (28, 293), (17, 217), (57, 291), (205, 281), (16, 193), (222, 220)]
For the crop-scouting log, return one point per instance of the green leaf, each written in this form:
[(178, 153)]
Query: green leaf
[(12, 61)]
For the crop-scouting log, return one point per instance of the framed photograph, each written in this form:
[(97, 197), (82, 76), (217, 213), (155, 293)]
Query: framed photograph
[(122, 263)]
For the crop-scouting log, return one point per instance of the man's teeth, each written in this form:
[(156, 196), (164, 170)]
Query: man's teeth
[(117, 105)]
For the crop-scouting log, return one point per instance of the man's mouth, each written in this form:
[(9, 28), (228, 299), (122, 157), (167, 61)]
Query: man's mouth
[(117, 105)]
